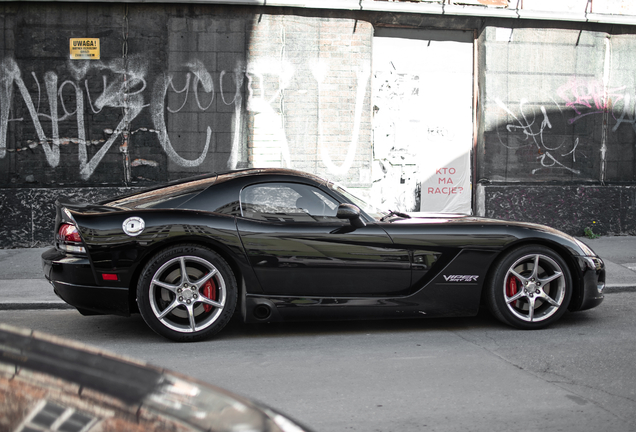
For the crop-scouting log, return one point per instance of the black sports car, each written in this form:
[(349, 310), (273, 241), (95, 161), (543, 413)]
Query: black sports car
[(275, 244)]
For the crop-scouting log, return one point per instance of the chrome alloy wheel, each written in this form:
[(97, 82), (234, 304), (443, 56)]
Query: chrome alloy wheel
[(534, 287), (187, 294)]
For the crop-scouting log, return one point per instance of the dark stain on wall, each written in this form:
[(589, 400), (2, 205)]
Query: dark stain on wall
[(608, 210)]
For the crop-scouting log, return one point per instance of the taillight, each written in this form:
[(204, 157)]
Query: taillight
[(69, 238), (69, 233)]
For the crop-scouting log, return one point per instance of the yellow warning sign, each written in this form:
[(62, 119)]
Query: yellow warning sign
[(84, 48)]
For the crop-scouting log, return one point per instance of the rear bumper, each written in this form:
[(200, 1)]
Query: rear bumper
[(74, 282)]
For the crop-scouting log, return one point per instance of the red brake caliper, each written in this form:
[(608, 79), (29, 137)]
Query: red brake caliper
[(209, 291), (511, 286)]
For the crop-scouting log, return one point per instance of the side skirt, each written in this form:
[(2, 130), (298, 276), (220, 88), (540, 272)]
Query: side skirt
[(259, 308)]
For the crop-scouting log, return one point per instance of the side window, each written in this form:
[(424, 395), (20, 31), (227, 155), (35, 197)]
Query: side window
[(291, 202)]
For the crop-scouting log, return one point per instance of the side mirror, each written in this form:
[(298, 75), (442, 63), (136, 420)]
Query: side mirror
[(351, 212)]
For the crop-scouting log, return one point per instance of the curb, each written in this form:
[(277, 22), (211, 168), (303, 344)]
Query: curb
[(609, 289), (619, 288), (34, 306)]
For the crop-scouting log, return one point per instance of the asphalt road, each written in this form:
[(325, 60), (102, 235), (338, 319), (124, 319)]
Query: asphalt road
[(470, 374)]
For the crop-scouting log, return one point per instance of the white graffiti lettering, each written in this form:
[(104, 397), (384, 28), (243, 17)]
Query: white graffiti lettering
[(533, 133), (123, 86)]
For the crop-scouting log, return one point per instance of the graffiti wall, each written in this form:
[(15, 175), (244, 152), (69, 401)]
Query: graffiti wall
[(559, 110), (181, 89), (308, 91), (176, 91)]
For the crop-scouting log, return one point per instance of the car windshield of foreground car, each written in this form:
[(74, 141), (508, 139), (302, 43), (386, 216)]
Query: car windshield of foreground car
[(40, 375), (366, 207)]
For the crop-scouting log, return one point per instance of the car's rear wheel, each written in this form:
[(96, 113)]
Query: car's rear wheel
[(530, 287), (186, 293)]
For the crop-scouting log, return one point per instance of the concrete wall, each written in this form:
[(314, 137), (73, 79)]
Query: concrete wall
[(558, 109), (183, 89), (308, 96), (570, 208), (178, 90)]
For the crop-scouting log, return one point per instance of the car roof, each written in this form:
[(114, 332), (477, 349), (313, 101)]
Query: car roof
[(192, 186), (268, 171)]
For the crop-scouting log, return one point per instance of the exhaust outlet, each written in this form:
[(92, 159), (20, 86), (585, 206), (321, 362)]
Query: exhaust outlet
[(262, 311)]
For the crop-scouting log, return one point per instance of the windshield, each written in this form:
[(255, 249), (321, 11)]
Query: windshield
[(369, 209)]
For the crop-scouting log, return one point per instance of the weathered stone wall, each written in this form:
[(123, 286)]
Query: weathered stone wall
[(184, 89), (557, 118), (309, 98), (603, 209), (178, 90), (28, 214)]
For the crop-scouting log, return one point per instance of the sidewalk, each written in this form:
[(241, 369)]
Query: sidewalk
[(22, 284)]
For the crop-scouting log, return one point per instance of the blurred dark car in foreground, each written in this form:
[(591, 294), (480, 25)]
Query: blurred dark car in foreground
[(275, 244), (51, 384)]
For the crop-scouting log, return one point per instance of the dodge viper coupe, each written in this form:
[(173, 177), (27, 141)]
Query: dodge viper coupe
[(275, 244)]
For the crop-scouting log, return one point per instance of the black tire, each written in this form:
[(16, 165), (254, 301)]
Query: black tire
[(519, 296), (190, 308)]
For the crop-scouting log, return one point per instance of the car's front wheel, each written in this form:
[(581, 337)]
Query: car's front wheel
[(186, 293), (530, 288)]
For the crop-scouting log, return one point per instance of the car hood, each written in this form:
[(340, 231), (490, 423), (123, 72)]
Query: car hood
[(574, 244), (436, 218)]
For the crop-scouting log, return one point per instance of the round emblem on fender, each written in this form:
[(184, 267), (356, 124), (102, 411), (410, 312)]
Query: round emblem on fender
[(133, 226)]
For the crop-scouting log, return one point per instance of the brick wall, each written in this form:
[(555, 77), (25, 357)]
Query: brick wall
[(309, 96), (178, 90), (557, 127), (183, 89)]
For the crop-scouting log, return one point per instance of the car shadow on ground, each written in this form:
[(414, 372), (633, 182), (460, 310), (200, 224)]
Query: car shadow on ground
[(130, 329), (238, 330), (483, 321), (133, 328)]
